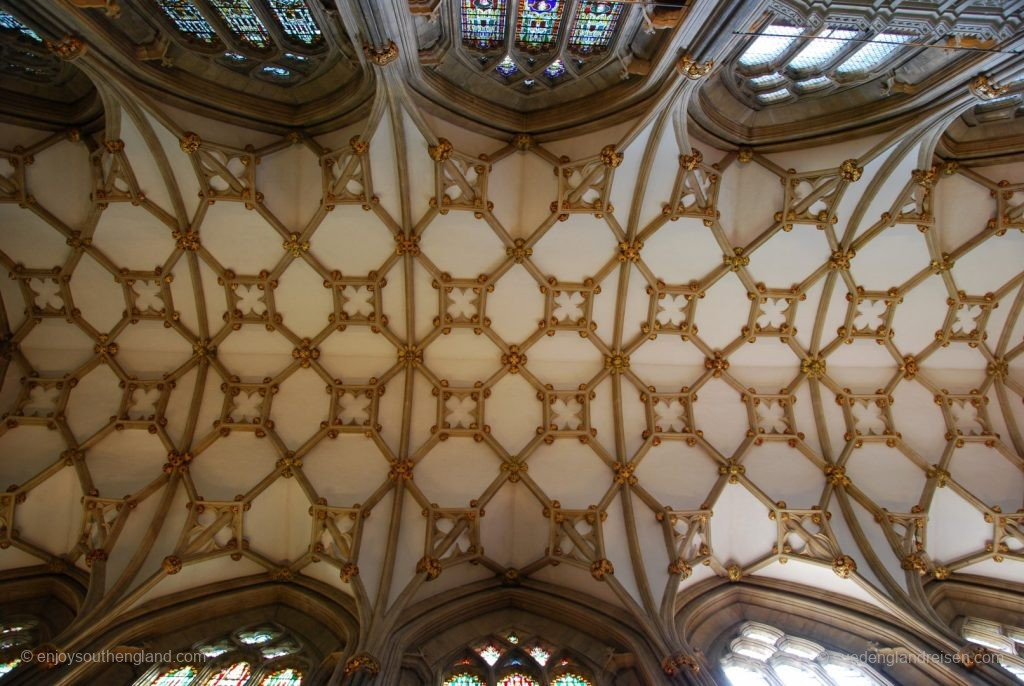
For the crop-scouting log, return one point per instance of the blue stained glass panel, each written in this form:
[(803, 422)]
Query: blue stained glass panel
[(296, 21), (594, 25), (483, 23), (189, 20), (11, 22), (537, 23), (555, 69), (507, 67), (243, 22)]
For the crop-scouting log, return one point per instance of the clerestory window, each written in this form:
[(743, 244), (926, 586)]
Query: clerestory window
[(514, 658), (1006, 641), (784, 62), (762, 655)]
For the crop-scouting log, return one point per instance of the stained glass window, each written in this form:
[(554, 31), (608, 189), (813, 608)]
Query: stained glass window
[(593, 26), (296, 21), (235, 57), (824, 47), (517, 680), (570, 680), (7, 667), (279, 72), (540, 655), (11, 22), (279, 650), (483, 23), (490, 654), (243, 22), (767, 47), (870, 55), (179, 676), (555, 69), (507, 68), (235, 675), (464, 680), (283, 677), (189, 20), (255, 637), (537, 23)]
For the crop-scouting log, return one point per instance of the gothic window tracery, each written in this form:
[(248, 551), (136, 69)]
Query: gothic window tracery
[(785, 61), (516, 658), (545, 40), (262, 655), (1006, 641), (762, 655)]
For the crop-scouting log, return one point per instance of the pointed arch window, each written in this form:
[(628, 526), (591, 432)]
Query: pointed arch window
[(261, 655), (243, 22), (296, 21), (593, 26), (516, 658), (761, 654), (537, 23), (483, 23)]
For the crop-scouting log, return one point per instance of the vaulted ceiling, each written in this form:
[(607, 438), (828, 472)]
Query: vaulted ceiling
[(407, 352)]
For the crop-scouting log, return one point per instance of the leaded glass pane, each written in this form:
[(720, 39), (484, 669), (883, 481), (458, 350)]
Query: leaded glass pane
[(870, 55), (296, 21), (256, 636), (1014, 667), (189, 20), (593, 26), (464, 680), (7, 667), (507, 67), (179, 676), (243, 22), (570, 680), (235, 675), (815, 84), (11, 22), (490, 654), (798, 675), (540, 655), (774, 96), (740, 675), (827, 45), (767, 81), (555, 69), (483, 23), (537, 22), (849, 675), (516, 680), (772, 42), (283, 677)]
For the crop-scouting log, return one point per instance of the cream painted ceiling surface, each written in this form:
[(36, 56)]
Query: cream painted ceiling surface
[(403, 357)]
